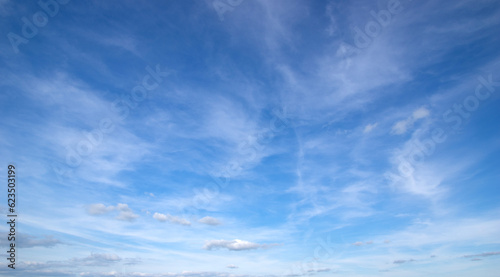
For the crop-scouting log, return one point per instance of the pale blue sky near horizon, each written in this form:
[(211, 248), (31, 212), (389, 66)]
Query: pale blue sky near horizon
[(251, 138)]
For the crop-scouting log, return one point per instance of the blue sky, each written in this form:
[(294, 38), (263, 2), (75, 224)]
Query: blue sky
[(252, 138)]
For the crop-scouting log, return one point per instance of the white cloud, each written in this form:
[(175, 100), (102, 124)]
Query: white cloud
[(210, 221), (358, 243), (421, 113), (400, 127), (160, 217), (234, 245), (125, 214), (122, 207), (170, 218), (232, 266), (403, 125), (97, 209), (103, 257), (370, 127)]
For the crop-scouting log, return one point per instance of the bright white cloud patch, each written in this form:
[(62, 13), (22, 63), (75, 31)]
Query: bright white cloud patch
[(124, 212), (233, 245), (370, 127), (402, 126), (170, 218), (127, 216), (421, 113), (210, 221), (97, 209)]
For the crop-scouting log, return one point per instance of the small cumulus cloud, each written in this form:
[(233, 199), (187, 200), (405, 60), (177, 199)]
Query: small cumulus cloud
[(97, 209), (421, 113), (358, 243), (173, 219), (127, 216), (210, 221), (235, 245), (403, 125), (400, 127), (232, 266), (125, 213), (369, 127)]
